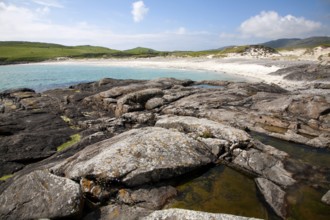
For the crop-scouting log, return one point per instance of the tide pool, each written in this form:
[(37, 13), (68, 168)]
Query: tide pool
[(41, 77)]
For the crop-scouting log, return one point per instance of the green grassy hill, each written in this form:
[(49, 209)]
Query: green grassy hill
[(140, 50), (12, 52), (20, 52), (143, 52)]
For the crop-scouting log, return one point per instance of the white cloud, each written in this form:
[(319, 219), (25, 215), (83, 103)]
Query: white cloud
[(139, 11), (269, 24), (20, 23), (49, 3), (181, 31), (23, 23)]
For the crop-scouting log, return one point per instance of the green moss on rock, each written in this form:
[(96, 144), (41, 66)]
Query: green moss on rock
[(5, 177), (74, 139)]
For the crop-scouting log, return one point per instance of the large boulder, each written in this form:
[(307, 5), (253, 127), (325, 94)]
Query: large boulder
[(41, 195), (138, 156), (178, 214), (273, 195)]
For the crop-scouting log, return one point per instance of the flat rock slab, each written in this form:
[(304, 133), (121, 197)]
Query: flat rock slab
[(41, 195), (273, 195), (138, 156), (178, 214), (204, 128)]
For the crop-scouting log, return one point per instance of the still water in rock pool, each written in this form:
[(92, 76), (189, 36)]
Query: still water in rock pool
[(224, 190), (221, 190)]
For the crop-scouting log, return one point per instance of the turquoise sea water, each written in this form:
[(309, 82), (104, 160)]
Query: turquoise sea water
[(41, 77)]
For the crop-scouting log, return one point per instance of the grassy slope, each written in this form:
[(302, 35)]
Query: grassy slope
[(20, 52), (16, 52), (143, 52)]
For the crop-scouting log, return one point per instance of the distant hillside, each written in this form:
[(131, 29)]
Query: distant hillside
[(21, 52), (140, 50), (298, 43), (12, 52), (280, 42)]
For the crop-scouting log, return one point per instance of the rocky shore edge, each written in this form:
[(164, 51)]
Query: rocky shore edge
[(111, 148)]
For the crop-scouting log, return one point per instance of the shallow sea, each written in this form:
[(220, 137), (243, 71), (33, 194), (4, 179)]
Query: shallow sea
[(41, 77)]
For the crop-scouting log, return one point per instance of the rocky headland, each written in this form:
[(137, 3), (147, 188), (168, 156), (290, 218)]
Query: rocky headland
[(113, 149)]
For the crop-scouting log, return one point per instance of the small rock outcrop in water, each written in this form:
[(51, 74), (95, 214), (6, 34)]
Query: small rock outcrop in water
[(139, 136), (273, 194), (326, 198)]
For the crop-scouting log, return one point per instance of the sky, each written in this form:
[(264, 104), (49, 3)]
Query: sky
[(162, 24)]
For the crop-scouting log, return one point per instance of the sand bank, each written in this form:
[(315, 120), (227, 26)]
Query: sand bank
[(253, 69)]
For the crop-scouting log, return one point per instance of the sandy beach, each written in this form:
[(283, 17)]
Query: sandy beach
[(251, 68)]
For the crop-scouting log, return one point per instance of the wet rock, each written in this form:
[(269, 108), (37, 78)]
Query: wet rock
[(154, 198), (322, 141), (177, 214), (28, 136), (136, 101), (138, 156), (41, 195), (273, 195), (9, 167), (265, 165), (326, 198), (118, 212)]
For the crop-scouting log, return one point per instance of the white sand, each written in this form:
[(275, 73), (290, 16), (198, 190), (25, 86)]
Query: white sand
[(253, 69)]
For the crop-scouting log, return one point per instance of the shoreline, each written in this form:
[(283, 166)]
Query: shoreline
[(255, 70)]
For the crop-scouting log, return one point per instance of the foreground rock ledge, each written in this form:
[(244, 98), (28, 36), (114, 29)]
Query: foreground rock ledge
[(138, 156), (41, 195), (119, 158)]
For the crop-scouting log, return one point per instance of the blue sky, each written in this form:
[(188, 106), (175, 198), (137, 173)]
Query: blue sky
[(162, 24)]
